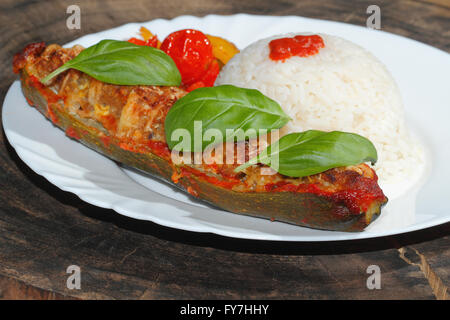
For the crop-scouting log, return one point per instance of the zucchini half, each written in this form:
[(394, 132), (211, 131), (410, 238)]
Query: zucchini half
[(303, 209)]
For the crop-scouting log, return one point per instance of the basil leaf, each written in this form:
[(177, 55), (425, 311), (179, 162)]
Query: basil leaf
[(124, 63), (225, 108), (310, 152)]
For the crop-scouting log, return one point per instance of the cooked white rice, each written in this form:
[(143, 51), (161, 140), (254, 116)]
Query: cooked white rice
[(343, 87)]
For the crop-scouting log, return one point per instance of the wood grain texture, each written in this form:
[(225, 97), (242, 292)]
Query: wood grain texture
[(43, 230)]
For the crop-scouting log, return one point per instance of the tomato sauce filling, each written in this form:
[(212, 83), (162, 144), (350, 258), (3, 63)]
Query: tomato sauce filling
[(357, 197), (106, 140), (71, 132), (49, 95), (300, 46), (228, 184), (160, 148)]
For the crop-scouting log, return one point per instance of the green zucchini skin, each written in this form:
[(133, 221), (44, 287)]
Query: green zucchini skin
[(302, 209)]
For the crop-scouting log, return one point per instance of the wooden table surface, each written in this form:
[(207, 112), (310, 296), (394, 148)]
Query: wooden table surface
[(43, 230)]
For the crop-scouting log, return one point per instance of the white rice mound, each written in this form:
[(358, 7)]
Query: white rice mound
[(343, 87)]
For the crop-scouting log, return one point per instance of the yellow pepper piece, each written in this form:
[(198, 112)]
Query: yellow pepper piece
[(145, 33), (223, 49)]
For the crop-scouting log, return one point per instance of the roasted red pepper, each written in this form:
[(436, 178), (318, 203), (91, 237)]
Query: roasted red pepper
[(152, 42)]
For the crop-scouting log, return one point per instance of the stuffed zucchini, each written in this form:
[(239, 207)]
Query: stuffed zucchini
[(126, 124)]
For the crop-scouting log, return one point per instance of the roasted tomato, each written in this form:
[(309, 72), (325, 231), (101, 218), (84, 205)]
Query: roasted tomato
[(208, 78), (192, 52)]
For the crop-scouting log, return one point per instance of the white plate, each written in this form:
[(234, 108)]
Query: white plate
[(423, 75)]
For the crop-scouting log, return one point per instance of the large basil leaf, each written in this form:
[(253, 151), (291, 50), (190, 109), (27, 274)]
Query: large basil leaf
[(124, 63), (310, 152), (225, 108)]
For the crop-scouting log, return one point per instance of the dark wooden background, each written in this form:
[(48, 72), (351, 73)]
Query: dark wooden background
[(43, 230)]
